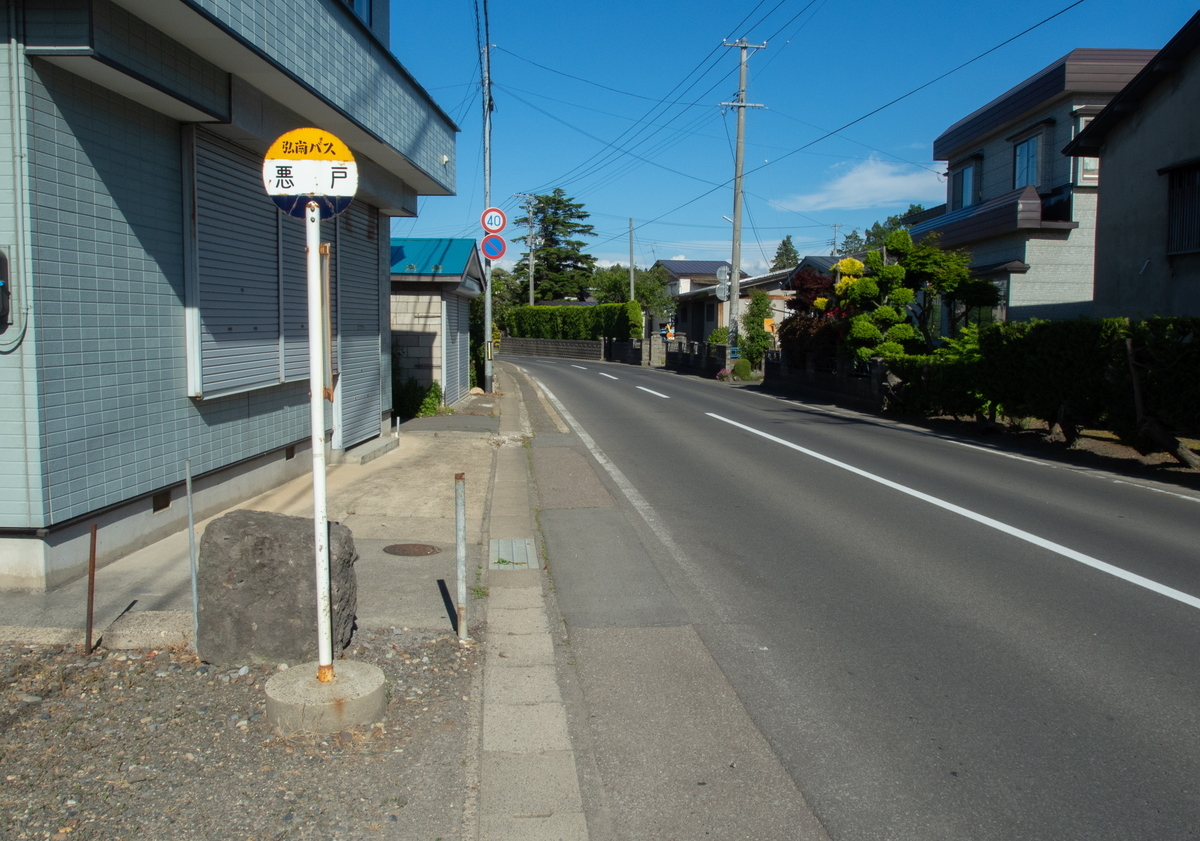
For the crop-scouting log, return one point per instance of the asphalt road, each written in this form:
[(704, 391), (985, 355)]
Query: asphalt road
[(938, 641)]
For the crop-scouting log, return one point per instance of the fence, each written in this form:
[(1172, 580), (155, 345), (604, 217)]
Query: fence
[(695, 356), (838, 379)]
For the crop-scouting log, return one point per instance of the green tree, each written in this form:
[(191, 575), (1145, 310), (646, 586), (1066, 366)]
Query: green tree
[(875, 237), (561, 268), (938, 277), (610, 285), (786, 256), (852, 243), (755, 341)]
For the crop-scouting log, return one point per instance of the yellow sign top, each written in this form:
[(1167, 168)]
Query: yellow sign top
[(312, 144)]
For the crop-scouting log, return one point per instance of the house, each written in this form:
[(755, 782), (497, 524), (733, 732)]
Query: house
[(698, 315), (1025, 211), (1148, 226), (433, 284), (700, 311), (158, 301)]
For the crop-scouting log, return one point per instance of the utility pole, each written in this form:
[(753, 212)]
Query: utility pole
[(631, 260), (530, 204), (835, 236), (488, 107), (735, 274)]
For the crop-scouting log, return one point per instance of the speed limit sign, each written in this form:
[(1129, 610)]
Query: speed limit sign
[(493, 220)]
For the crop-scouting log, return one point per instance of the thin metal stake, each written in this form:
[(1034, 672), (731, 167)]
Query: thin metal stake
[(187, 469), (91, 590), (460, 519)]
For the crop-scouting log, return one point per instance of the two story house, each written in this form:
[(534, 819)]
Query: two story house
[(154, 296), (1025, 211), (1148, 228)]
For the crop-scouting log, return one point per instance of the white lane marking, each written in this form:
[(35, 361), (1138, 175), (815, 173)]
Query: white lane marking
[(655, 393), (610, 376), (1020, 534), (580, 367), (1083, 471)]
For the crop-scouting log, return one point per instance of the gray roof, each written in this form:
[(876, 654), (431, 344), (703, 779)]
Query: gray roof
[(689, 268)]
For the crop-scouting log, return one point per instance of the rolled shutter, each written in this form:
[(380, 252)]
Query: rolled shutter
[(236, 250), (359, 279)]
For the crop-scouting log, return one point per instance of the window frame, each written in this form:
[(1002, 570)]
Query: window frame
[(1183, 208), (1083, 177), (956, 198), (1036, 158)]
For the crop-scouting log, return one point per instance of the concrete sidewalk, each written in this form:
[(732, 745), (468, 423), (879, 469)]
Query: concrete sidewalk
[(528, 785)]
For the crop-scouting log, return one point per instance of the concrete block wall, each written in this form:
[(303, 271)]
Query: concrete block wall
[(554, 348), (416, 320)]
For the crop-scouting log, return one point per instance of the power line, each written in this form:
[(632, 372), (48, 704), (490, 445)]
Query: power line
[(883, 107)]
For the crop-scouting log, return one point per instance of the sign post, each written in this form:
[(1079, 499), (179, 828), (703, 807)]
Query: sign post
[(311, 175)]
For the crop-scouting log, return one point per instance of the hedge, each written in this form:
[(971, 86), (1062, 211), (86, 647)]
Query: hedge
[(1073, 373), (610, 321)]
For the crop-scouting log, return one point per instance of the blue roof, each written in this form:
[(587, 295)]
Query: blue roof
[(436, 257)]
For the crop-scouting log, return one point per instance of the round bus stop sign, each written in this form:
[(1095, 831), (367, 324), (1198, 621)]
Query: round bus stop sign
[(309, 164)]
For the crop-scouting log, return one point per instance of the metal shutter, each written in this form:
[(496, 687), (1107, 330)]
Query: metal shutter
[(457, 375), (359, 276), (237, 248), (293, 259)]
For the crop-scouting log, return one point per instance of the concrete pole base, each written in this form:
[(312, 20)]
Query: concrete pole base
[(298, 703)]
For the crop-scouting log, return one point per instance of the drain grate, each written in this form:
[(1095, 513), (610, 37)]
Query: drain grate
[(411, 550)]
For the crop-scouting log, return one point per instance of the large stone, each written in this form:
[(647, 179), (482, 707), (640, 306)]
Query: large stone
[(257, 589)]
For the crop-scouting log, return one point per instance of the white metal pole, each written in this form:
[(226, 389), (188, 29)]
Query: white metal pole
[(316, 385)]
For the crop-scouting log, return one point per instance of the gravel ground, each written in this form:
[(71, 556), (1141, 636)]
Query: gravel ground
[(155, 744)]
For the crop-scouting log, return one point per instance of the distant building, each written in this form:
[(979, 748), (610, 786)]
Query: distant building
[(1025, 211), (433, 284), (696, 315), (1148, 227), (158, 300)]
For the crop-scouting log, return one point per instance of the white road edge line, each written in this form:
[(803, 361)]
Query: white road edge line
[(655, 393), (1057, 548), (1083, 471), (635, 498), (610, 376)]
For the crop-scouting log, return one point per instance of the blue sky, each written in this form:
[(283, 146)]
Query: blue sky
[(582, 96)]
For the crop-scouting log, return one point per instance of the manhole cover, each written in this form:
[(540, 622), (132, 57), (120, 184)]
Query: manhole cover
[(411, 549)]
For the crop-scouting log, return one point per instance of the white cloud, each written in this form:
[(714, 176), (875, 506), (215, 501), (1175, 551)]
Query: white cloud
[(872, 183)]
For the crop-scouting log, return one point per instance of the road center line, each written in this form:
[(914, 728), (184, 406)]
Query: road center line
[(655, 393), (580, 367), (610, 376), (1020, 534)]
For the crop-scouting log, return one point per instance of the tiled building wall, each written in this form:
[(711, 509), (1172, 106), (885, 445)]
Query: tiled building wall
[(149, 53), (319, 41), (107, 227), (20, 475)]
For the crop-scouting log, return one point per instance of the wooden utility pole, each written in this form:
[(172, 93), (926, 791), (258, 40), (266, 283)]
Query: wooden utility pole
[(631, 260), (488, 106), (735, 274)]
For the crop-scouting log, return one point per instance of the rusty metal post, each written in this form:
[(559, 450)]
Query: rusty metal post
[(460, 522), (91, 591)]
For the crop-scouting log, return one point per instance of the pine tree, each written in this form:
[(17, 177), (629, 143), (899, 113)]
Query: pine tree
[(561, 268), (786, 256)]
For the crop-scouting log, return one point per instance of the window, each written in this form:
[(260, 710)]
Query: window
[(1183, 209), (362, 8), (1087, 169), (1025, 157), (964, 186)]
